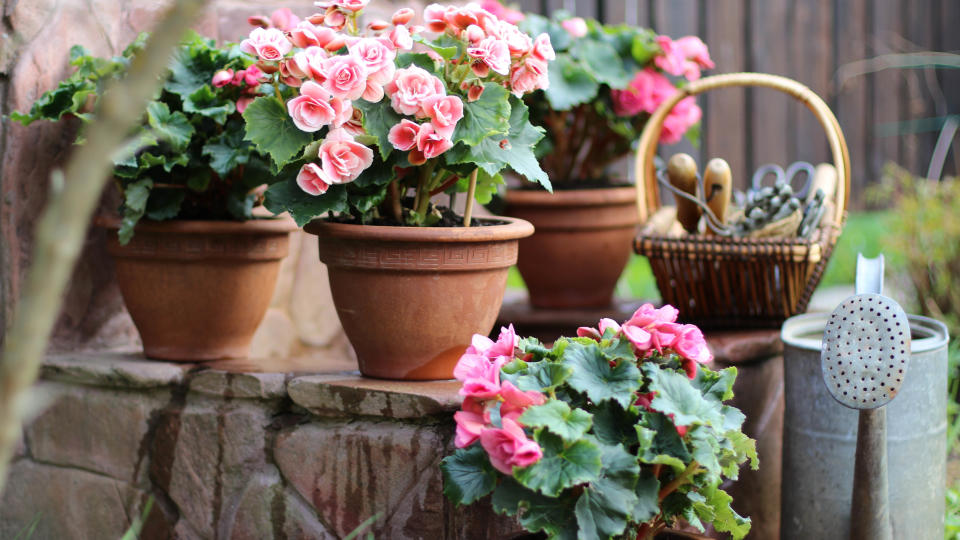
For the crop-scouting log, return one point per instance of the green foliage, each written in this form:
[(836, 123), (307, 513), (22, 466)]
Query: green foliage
[(272, 130), (188, 159), (618, 433)]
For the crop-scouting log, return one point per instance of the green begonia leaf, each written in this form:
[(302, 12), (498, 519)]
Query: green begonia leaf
[(204, 101), (135, 197), (272, 130), (613, 425), (227, 151), (378, 118), (716, 385), (570, 84), (562, 465), (303, 207), (468, 475), (488, 117), (173, 127), (164, 203), (594, 376), (607, 503), (537, 512), (648, 497), (726, 519), (569, 424), (677, 396), (604, 62), (665, 441), (148, 159)]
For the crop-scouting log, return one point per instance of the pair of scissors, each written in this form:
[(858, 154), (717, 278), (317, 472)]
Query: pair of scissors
[(781, 176)]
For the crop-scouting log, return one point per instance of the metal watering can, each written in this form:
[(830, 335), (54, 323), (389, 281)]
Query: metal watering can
[(840, 372)]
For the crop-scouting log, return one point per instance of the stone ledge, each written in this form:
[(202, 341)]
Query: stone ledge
[(113, 370), (351, 394), (239, 385)]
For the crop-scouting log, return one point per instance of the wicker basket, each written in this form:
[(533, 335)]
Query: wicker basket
[(721, 282)]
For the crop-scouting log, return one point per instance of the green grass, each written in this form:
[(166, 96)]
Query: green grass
[(863, 233)]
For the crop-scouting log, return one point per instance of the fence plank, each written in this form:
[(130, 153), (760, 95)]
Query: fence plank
[(811, 55), (917, 146), (950, 78), (724, 133), (852, 99), (884, 146), (774, 136)]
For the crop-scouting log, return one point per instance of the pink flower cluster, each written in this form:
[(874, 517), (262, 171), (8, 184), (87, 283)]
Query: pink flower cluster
[(495, 45), (479, 369), (648, 89), (651, 329), (416, 92), (685, 56), (249, 79)]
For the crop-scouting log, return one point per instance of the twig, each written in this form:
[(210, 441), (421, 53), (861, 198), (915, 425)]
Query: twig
[(62, 225), (396, 207), (691, 469), (468, 211)]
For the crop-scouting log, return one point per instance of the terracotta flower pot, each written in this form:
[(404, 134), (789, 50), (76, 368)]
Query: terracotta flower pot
[(583, 242), (411, 298), (197, 290)]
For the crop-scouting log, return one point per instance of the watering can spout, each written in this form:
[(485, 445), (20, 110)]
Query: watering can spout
[(869, 275)]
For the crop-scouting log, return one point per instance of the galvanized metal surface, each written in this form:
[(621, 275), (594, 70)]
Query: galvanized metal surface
[(820, 439)]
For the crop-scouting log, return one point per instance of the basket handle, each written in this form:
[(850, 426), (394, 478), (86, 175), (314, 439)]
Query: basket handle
[(648, 195)]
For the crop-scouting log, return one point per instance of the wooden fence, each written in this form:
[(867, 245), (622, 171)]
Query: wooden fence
[(887, 115)]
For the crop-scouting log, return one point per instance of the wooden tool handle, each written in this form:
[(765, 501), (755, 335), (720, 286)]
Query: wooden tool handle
[(718, 189), (682, 172)]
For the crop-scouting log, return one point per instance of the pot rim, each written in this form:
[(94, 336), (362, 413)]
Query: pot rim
[(605, 196), (513, 229), (935, 334), (266, 225)]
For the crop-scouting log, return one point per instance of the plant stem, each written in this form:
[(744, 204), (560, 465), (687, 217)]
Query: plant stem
[(396, 208), (62, 225), (691, 469), (468, 211)]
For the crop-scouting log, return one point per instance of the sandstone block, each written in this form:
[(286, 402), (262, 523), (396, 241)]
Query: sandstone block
[(267, 510), (115, 370), (354, 395), (239, 385)]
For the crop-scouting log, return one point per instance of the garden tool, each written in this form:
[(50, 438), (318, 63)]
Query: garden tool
[(717, 189), (866, 347), (682, 171), (781, 176)]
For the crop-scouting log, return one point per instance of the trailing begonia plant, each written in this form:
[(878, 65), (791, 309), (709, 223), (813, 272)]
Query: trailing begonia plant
[(188, 159), (616, 433), (370, 125), (604, 84)]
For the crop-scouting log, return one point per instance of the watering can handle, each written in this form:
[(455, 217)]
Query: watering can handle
[(869, 275)]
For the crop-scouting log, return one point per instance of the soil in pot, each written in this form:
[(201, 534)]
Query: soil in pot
[(411, 298), (197, 290), (582, 243)]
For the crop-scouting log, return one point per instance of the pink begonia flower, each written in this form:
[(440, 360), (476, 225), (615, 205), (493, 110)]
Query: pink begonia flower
[(410, 87), (672, 58), (444, 112), (269, 44), (243, 102), (334, 18), (480, 375), (648, 89), (288, 77), (354, 126), (518, 42), (431, 143), (515, 401), (505, 344), (378, 58), (342, 158), (474, 92), (697, 56), (311, 179), (474, 34), (576, 26), (308, 63), (402, 16), (509, 447), (502, 12), (253, 76), (284, 19), (345, 76), (259, 20), (222, 78), (315, 108), (529, 76), (434, 16), (403, 136), (651, 328), (460, 18), (373, 92), (353, 5), (400, 38), (494, 53), (683, 115), (691, 345), (307, 34), (543, 49), (605, 324), (470, 422)]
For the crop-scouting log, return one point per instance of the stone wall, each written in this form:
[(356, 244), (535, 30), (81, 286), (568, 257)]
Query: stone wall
[(301, 326), (233, 455)]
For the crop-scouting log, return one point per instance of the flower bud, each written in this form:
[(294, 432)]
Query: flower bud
[(474, 93), (378, 25), (259, 20), (402, 16), (474, 33), (267, 67), (335, 44), (316, 18), (222, 78)]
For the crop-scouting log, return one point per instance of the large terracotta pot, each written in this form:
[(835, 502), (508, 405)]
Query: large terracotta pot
[(583, 242), (411, 298), (197, 290)]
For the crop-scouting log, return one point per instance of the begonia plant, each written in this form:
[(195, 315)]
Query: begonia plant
[(369, 122), (188, 159), (616, 433), (604, 84)]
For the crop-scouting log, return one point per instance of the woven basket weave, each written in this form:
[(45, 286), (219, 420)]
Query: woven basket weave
[(721, 282)]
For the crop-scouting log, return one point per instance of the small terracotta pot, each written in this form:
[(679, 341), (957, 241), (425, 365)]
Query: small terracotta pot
[(411, 298), (583, 242), (197, 290)]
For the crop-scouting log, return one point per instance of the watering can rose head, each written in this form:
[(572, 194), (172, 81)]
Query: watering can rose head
[(436, 104), (620, 428)]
